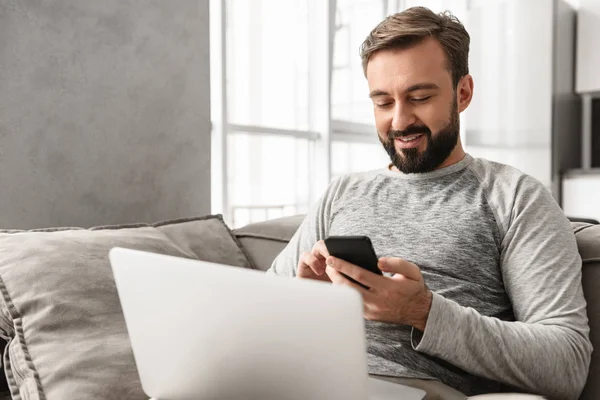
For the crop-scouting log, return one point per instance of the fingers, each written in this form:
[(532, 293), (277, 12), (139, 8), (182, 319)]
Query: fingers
[(400, 266), (338, 279), (312, 264), (320, 251), (314, 260), (355, 272), (310, 261)]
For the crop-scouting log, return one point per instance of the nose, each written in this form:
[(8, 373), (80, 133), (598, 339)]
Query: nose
[(403, 117)]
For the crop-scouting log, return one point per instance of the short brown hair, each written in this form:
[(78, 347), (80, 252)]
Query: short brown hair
[(409, 27)]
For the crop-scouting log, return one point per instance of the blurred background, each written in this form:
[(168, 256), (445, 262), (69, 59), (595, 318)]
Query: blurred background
[(141, 110), (298, 112)]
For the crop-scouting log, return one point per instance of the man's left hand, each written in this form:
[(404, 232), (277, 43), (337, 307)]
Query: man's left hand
[(401, 299)]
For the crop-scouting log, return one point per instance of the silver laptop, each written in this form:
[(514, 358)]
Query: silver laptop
[(206, 331)]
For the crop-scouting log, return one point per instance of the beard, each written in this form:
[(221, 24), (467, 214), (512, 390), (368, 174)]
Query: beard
[(438, 148)]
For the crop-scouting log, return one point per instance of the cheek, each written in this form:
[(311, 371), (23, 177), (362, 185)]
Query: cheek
[(435, 117), (383, 122)]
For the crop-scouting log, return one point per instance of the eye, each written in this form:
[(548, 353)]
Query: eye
[(420, 99), (383, 105)]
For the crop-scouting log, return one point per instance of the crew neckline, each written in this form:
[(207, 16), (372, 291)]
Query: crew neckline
[(462, 164)]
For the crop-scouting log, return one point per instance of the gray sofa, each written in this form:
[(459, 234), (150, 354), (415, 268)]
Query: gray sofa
[(61, 318)]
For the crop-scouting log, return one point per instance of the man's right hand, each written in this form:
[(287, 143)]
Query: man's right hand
[(312, 264)]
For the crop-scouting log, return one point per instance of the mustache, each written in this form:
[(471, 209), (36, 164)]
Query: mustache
[(411, 130)]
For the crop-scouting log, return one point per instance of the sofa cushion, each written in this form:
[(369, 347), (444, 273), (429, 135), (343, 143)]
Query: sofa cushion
[(588, 242), (263, 241), (59, 307)]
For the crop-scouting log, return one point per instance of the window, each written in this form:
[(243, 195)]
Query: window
[(356, 157), (354, 19), (290, 105), (268, 63), (268, 176), (262, 75), (354, 145)]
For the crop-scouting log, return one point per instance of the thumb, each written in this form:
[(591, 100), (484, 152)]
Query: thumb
[(398, 265)]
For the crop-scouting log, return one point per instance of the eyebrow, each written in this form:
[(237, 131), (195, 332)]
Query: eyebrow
[(418, 86)]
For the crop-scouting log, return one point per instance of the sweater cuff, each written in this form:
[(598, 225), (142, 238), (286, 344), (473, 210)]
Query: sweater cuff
[(440, 318)]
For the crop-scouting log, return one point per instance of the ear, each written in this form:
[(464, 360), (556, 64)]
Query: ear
[(464, 92)]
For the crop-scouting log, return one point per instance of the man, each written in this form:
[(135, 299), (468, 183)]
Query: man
[(482, 285)]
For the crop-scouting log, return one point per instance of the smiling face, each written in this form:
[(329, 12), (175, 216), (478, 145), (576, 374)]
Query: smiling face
[(416, 105)]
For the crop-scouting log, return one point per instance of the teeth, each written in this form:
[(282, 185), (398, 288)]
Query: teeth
[(409, 138)]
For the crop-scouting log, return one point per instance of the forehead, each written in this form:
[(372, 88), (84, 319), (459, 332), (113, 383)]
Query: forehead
[(401, 68)]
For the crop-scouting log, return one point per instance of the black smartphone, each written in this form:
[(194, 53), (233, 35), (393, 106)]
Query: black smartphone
[(357, 250)]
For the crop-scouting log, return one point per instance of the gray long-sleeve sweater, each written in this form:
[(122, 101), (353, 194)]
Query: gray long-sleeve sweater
[(500, 257)]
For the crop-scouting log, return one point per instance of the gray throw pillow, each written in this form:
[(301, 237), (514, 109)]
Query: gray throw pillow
[(60, 312)]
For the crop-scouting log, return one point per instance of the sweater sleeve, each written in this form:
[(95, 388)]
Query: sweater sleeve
[(547, 349), (315, 227)]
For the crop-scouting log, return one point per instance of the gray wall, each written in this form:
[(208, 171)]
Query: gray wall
[(104, 111)]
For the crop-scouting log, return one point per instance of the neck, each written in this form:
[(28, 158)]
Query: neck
[(457, 154)]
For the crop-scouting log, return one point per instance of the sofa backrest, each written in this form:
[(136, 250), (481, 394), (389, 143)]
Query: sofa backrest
[(265, 240), (588, 242)]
